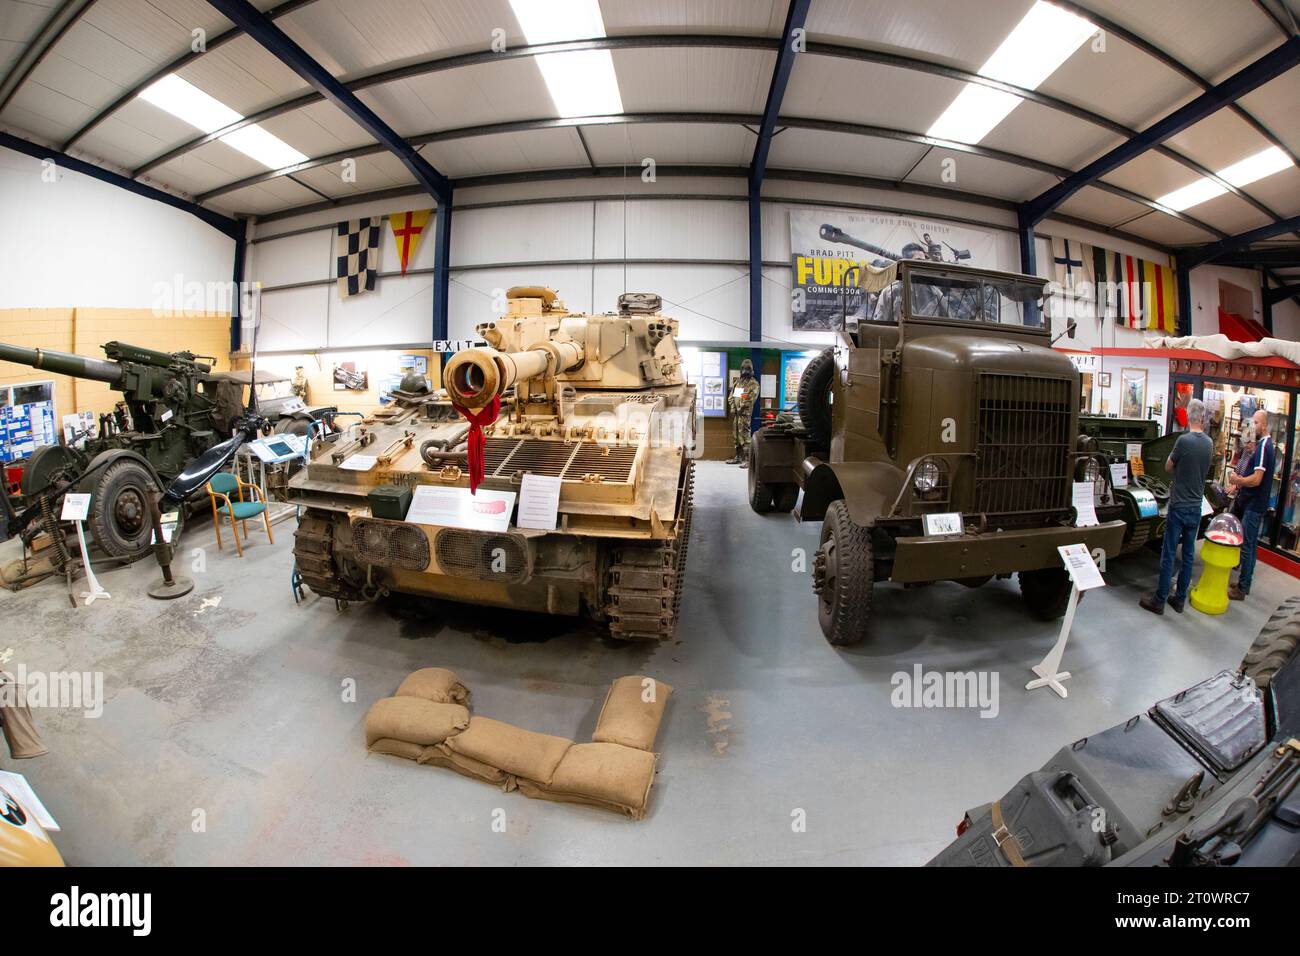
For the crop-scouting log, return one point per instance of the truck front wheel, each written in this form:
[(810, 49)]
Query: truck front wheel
[(1046, 592), (843, 574)]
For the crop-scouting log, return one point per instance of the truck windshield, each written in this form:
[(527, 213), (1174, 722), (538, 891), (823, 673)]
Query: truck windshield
[(971, 298)]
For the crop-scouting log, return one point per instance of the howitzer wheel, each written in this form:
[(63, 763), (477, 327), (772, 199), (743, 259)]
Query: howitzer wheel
[(643, 584), (119, 510), (313, 550)]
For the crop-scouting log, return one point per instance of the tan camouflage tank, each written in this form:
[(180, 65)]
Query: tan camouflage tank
[(597, 401)]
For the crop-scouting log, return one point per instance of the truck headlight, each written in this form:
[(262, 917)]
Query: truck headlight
[(926, 477)]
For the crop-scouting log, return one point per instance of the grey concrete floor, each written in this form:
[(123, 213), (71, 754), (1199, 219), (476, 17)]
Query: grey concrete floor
[(230, 702)]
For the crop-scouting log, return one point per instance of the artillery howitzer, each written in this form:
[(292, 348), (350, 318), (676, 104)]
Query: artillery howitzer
[(597, 401), (174, 409)]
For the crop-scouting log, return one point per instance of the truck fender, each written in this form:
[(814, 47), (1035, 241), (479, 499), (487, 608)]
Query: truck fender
[(107, 457), (867, 488)]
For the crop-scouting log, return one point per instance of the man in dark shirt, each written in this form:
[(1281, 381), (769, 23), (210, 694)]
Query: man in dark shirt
[(1189, 463), (1253, 491)]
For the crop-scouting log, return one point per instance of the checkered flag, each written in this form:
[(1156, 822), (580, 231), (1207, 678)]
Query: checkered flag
[(357, 247)]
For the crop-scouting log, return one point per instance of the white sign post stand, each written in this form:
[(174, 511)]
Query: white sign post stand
[(1083, 577), (76, 507)]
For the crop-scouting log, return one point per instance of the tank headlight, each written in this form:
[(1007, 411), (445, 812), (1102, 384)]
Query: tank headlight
[(926, 477), (1092, 470)]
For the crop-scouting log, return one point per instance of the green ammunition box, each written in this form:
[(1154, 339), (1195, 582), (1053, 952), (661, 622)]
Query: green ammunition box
[(388, 501)]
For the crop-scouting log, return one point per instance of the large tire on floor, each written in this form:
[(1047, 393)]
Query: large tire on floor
[(843, 575), (1046, 592), (766, 496), (1276, 644), (815, 396), (119, 510)]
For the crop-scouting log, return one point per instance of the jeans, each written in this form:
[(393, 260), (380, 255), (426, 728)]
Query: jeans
[(1181, 525), (1251, 522)]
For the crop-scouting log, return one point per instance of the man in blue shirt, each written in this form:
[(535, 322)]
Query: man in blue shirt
[(1189, 462), (1253, 492)]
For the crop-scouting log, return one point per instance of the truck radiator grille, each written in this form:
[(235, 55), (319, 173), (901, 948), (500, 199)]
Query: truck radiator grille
[(390, 544), (573, 461), (1023, 453), (482, 557)]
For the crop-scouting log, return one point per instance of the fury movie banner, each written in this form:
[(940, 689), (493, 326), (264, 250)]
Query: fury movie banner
[(827, 244)]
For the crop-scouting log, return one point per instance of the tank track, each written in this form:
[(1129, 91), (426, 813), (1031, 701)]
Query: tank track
[(643, 593), (313, 550)]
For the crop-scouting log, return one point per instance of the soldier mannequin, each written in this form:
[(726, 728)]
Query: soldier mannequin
[(741, 404), (300, 383)]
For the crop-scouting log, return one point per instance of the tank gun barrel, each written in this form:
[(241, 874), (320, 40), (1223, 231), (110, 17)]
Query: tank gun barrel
[(64, 363), (475, 376), (835, 234)]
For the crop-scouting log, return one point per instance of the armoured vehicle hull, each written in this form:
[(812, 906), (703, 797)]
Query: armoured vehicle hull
[(1207, 777), (598, 402), (935, 441)]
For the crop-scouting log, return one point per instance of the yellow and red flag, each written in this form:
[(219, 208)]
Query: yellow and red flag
[(408, 230)]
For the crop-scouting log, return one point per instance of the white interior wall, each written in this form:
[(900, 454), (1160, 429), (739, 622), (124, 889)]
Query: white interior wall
[(70, 240), (575, 231)]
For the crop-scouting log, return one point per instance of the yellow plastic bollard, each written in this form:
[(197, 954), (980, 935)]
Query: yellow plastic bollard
[(1210, 593)]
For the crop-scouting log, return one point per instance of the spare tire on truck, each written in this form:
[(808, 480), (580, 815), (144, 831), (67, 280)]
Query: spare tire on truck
[(1276, 644), (815, 396)]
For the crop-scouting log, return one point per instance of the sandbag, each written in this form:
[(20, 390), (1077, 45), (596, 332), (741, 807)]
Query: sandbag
[(16, 721), (627, 717), (397, 748), (602, 775), (436, 684), (441, 756), (414, 720), (523, 753)]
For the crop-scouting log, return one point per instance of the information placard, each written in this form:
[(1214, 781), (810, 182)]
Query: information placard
[(539, 502), (457, 508), (1083, 504)]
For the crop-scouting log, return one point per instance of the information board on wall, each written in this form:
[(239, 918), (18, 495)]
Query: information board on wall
[(27, 419), (707, 371), (792, 367)]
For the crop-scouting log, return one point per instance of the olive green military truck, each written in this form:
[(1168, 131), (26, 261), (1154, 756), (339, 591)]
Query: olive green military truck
[(936, 441)]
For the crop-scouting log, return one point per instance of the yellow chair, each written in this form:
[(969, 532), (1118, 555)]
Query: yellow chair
[(223, 485)]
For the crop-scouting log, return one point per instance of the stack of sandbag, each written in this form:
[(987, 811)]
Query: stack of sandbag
[(429, 721)]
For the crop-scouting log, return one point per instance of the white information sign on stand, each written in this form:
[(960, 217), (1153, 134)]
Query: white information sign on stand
[(1083, 505), (1083, 577), (1206, 507), (1119, 475), (539, 502), (76, 508)]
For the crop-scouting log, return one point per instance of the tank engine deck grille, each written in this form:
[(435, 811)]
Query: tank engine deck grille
[(1023, 453), (503, 457)]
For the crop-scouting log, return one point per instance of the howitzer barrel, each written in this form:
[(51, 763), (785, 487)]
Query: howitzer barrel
[(64, 363), (474, 376)]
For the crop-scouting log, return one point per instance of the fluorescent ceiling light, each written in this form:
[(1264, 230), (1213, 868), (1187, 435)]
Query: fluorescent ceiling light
[(208, 114), (1039, 44), (268, 149), (186, 101), (1249, 170), (581, 83)]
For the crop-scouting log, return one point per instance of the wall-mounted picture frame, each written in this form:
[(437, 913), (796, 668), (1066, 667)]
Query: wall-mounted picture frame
[(1132, 392), (1103, 379)]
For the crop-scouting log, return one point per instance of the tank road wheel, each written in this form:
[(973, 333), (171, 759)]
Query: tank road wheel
[(1276, 644), (313, 552), (1046, 592), (765, 497), (843, 574), (119, 510), (815, 396)]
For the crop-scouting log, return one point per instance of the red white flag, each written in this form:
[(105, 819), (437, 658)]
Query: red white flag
[(408, 230)]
